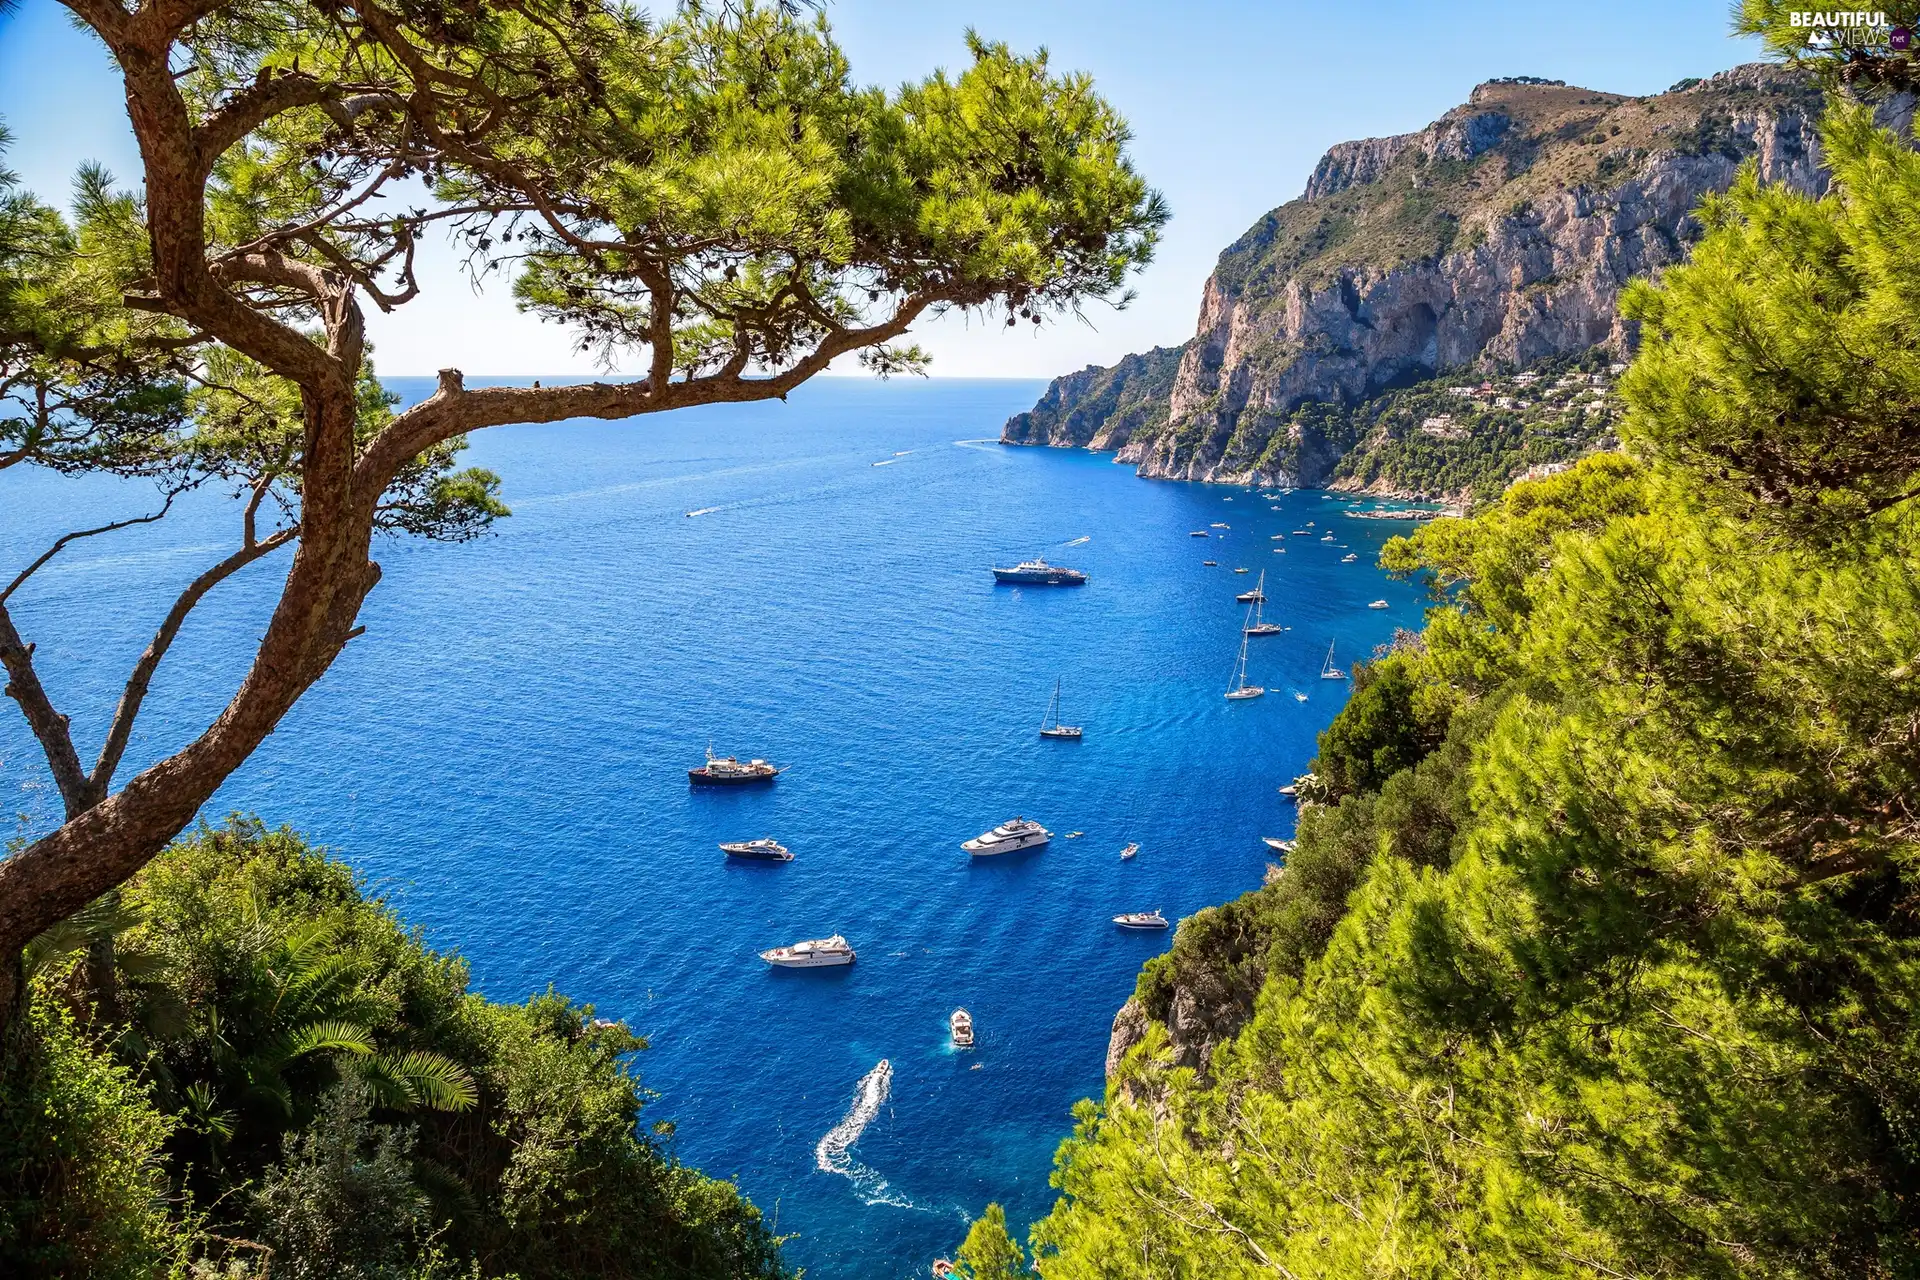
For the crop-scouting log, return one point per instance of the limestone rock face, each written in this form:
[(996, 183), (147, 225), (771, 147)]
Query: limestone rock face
[(1500, 235)]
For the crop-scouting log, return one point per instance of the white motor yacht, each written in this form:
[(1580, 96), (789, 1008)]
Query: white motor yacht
[(764, 850), (1141, 920), (962, 1024), (815, 953), (1009, 837)]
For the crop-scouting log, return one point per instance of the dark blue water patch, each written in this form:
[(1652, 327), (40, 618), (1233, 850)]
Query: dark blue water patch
[(504, 754)]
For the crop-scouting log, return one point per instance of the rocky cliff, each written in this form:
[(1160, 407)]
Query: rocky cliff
[(1497, 237)]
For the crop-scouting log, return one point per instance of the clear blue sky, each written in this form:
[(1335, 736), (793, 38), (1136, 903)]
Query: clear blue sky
[(1231, 103)]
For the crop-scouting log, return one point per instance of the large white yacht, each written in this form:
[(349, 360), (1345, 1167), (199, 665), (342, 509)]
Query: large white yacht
[(816, 953), (1009, 837)]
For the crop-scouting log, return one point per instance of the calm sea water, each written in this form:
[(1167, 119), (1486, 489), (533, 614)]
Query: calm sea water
[(503, 754)]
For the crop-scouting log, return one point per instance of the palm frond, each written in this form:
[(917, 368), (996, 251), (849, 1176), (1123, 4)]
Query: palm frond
[(329, 1035), (426, 1079)]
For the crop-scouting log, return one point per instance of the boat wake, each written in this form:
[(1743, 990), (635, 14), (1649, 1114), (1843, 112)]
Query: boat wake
[(703, 511), (834, 1152), (1081, 541), (886, 462)]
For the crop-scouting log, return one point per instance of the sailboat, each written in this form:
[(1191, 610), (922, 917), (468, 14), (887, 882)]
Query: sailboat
[(1327, 670), (1257, 627), (1240, 688), (1050, 726)]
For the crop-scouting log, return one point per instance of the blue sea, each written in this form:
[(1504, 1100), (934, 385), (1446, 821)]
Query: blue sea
[(503, 754)]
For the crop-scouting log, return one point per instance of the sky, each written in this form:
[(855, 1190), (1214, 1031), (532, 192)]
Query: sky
[(1231, 105)]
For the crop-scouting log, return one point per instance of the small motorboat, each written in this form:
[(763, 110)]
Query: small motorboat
[(1251, 597), (1299, 697), (1141, 920), (1349, 558), (1199, 533), (1328, 538), (1211, 564), (1239, 570), (1075, 835), (1377, 604), (962, 1024), (764, 850), (1127, 853), (1278, 537), (1221, 524), (1301, 533), (1276, 844)]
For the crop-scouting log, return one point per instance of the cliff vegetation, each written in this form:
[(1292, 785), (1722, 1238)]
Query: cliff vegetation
[(1599, 954), (276, 1078)]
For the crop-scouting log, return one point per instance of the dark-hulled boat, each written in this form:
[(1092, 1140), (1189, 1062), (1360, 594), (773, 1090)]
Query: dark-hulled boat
[(725, 771), (1038, 573)]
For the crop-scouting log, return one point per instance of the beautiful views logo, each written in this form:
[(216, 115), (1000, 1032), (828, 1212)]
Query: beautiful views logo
[(1827, 29)]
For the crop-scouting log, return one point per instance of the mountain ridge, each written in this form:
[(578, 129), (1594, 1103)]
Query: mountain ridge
[(1496, 238)]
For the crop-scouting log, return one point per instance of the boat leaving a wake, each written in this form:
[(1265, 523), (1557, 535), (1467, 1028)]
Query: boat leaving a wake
[(703, 511), (834, 1152)]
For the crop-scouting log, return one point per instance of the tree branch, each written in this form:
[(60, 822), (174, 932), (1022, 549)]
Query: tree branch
[(48, 725), (135, 693), (60, 544)]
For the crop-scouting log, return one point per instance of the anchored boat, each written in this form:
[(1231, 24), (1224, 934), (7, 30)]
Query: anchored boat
[(962, 1024), (726, 771), (767, 850), (1038, 573), (1050, 726), (814, 953), (1009, 837)]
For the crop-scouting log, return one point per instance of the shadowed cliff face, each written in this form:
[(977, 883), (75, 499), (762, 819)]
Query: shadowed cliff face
[(1498, 236)]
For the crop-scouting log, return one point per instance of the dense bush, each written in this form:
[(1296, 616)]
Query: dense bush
[(326, 1093)]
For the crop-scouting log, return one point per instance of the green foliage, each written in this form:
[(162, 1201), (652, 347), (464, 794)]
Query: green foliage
[(82, 1179), (989, 1252), (327, 1087), (344, 1201), (1622, 977), (1778, 363), (1381, 730)]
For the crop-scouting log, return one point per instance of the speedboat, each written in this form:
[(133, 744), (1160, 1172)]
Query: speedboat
[(1211, 564), (1009, 837), (962, 1024), (1199, 533), (1299, 697), (1127, 853), (1038, 573), (1377, 604), (815, 953), (1141, 920), (1251, 597), (1239, 570), (766, 850), (725, 771), (1221, 524), (1350, 557), (1276, 844), (1075, 835), (1327, 538)]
